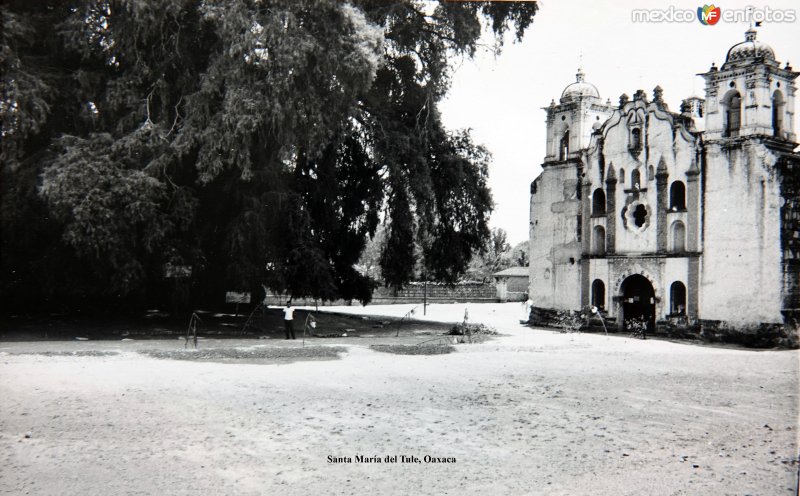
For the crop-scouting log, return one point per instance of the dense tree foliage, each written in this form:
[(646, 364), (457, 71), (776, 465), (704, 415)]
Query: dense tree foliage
[(492, 256), (496, 255), (520, 254), (159, 151)]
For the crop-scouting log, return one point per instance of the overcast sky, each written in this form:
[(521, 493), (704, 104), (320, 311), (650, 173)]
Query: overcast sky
[(501, 98)]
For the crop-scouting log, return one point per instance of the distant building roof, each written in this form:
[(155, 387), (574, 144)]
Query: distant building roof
[(513, 271)]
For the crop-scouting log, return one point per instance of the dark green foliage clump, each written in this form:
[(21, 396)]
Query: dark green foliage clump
[(169, 151)]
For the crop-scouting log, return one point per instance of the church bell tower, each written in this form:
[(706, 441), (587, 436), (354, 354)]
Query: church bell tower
[(750, 94)]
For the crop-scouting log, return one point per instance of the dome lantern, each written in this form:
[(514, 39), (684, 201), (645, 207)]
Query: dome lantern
[(749, 51), (579, 89)]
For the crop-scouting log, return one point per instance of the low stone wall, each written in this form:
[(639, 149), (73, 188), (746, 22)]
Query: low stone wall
[(413, 293), (437, 293), (516, 295), (544, 317), (280, 300)]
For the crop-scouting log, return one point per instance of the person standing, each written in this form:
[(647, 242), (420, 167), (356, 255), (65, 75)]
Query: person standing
[(288, 320)]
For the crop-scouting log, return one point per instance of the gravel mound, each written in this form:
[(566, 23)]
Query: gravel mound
[(400, 349), (248, 353)]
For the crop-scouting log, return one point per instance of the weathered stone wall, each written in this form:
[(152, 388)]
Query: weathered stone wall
[(755, 336), (555, 239), (790, 238), (543, 317), (741, 272)]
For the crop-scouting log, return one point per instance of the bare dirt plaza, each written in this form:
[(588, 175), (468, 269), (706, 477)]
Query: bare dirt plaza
[(529, 412)]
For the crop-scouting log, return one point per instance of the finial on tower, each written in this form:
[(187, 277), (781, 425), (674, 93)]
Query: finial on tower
[(580, 76)]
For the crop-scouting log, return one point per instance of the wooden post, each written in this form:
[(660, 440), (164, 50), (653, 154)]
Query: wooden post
[(425, 296)]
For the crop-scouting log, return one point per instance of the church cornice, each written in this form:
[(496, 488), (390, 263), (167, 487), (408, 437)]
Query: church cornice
[(771, 142), (617, 256), (715, 76), (556, 164)]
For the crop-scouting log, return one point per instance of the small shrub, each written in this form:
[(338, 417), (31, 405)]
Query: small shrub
[(569, 321), (637, 327), (463, 328)]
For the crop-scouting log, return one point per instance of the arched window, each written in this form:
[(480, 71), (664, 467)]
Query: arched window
[(777, 113), (733, 113), (599, 240), (636, 138), (564, 146), (636, 179), (598, 202), (677, 298), (677, 196), (678, 236), (622, 176), (598, 294)]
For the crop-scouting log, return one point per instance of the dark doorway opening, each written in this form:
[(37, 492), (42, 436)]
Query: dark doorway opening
[(638, 301)]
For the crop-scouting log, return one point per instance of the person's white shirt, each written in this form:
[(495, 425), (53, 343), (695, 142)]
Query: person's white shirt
[(528, 305), (288, 313)]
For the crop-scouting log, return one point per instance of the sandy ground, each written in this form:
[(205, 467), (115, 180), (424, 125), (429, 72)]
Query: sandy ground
[(532, 412)]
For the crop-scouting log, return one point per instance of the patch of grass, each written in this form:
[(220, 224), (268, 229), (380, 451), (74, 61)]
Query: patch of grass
[(400, 349), (68, 353), (247, 353), (158, 325)]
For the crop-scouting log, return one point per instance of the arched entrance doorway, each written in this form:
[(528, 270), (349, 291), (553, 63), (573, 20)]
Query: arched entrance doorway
[(638, 301)]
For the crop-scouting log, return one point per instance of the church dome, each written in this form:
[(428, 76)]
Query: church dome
[(750, 50), (579, 89)]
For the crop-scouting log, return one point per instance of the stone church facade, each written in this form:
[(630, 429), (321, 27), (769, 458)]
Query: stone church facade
[(689, 221)]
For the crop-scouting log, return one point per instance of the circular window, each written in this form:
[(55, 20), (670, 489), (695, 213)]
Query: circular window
[(636, 216)]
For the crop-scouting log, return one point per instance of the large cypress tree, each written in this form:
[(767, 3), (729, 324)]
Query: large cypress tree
[(257, 142)]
